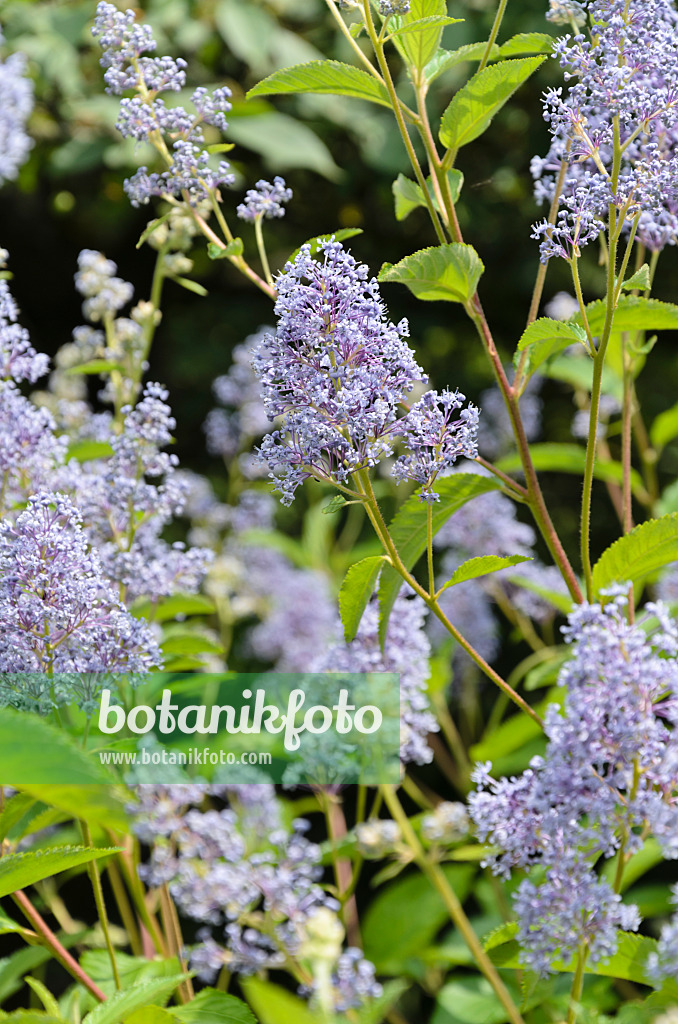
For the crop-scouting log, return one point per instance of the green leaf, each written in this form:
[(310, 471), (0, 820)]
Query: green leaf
[(19, 870), (220, 147), (405, 915), (470, 1001), (94, 366), (527, 42), (482, 566), (407, 194), (275, 1005), (151, 1015), (31, 1017), (665, 427), (569, 458), (44, 995), (628, 963), (325, 77), (213, 1007), (544, 338), (356, 591), (443, 60), (85, 451), (444, 272), (418, 46), (190, 643), (121, 1004), (7, 925), (424, 23), (217, 252), (282, 141), (633, 313), (577, 372), (151, 226), (190, 286), (647, 548), (408, 529), (13, 811), (560, 600), (335, 504), (473, 107), (32, 751), (640, 280), (169, 607)]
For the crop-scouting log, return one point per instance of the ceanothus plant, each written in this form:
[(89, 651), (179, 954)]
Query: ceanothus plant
[(416, 538)]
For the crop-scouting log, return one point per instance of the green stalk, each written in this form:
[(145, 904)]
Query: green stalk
[(261, 246), (95, 879), (498, 18), (437, 878), (577, 985)]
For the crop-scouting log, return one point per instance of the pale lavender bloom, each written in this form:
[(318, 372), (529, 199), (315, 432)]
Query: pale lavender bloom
[(58, 611), (387, 7), (239, 390), (266, 200), (562, 306), (435, 439), (566, 12), (105, 294), (18, 359), (146, 116), (30, 452), (16, 104), (406, 651), (663, 963), (626, 75), (587, 794), (353, 981), (336, 371)]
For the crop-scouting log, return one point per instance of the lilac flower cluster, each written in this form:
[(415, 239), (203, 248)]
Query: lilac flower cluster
[(58, 612), (435, 440), (244, 417), (406, 651), (127, 499), (176, 134), (608, 777), (336, 372), (388, 7), (623, 101), (266, 200), (241, 872), (16, 104), (105, 294)]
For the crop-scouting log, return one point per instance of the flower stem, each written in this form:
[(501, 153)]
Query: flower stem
[(438, 879), (95, 879), (577, 985), (498, 18)]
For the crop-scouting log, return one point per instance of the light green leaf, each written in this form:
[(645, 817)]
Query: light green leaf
[(561, 601), (121, 1004), (418, 46), (31, 1017), (569, 458), (408, 529), (424, 23), (646, 549), (7, 925), (633, 313), (482, 566), (527, 42), (220, 147), (473, 107), (44, 995), (233, 248), (169, 607), (325, 77), (213, 1007), (33, 751), (282, 141), (335, 504), (190, 286), (544, 338), (85, 451), (356, 591), (640, 280), (94, 366), (15, 808), (665, 427), (150, 228), (443, 60), (275, 1005), (408, 195), (469, 1002), (19, 870), (444, 272), (190, 643), (628, 963), (151, 1015), (669, 499), (573, 370)]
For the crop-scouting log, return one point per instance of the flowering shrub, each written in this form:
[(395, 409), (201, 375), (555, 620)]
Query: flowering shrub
[(360, 521)]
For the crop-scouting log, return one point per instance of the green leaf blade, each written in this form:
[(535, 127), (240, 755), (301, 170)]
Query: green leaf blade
[(545, 338), (483, 565), (329, 77), (643, 551), (471, 110), (356, 591), (19, 870), (445, 272)]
